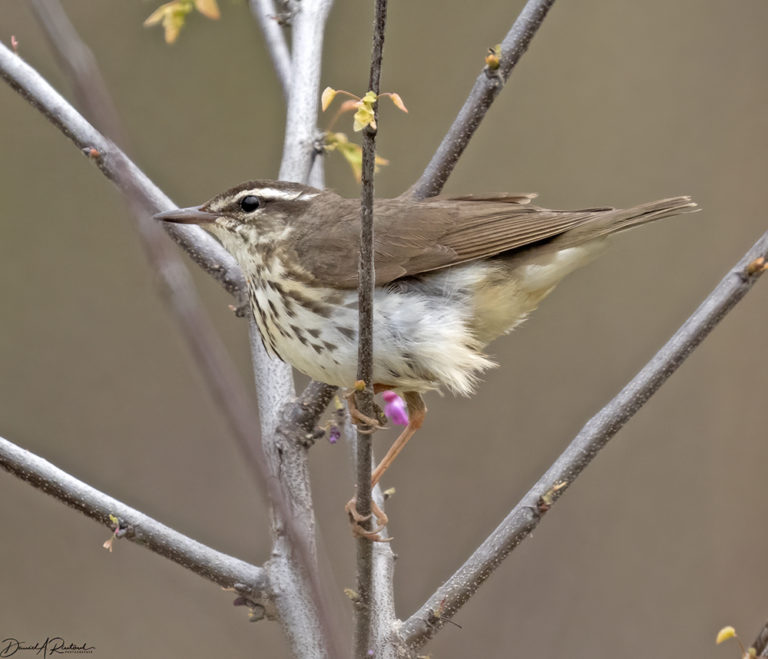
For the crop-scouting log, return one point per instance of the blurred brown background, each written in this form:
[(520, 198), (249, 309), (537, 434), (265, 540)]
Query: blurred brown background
[(663, 539)]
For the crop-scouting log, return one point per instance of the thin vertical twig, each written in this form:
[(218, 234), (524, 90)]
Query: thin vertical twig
[(366, 279), (384, 639)]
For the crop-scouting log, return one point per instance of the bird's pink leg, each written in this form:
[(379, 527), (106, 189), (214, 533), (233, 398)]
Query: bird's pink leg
[(417, 412)]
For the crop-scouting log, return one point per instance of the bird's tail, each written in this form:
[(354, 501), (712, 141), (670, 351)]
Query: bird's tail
[(620, 219)]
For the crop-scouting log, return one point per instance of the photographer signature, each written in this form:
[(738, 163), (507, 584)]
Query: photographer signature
[(50, 646)]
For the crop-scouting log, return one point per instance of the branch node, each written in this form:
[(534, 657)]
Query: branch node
[(547, 499), (91, 152), (243, 306), (756, 267), (309, 439)]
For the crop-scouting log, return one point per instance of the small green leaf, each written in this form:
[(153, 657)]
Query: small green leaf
[(156, 16), (725, 634), (363, 117), (329, 93), (351, 152), (172, 16), (208, 8)]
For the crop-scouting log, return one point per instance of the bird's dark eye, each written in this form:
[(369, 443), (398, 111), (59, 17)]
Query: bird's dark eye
[(250, 203)]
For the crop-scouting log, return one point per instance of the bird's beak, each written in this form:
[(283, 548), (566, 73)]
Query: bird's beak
[(191, 215)]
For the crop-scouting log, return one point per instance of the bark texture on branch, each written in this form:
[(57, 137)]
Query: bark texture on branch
[(527, 514)]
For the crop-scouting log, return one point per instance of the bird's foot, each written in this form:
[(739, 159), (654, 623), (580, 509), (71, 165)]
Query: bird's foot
[(358, 418), (357, 520)]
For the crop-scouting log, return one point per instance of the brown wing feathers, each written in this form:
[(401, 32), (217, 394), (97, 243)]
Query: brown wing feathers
[(415, 237), (481, 230)]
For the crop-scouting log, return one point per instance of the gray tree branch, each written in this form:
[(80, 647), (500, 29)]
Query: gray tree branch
[(146, 199), (305, 610), (487, 87), (300, 132), (441, 606), (176, 285), (277, 47), (137, 527), (527, 514), (78, 62), (201, 247)]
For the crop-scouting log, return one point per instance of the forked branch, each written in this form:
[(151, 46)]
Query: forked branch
[(145, 199), (527, 514), (135, 526)]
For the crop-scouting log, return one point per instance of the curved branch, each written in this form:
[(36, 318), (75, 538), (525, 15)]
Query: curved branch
[(487, 87), (527, 514), (117, 167), (143, 197), (210, 564), (146, 199)]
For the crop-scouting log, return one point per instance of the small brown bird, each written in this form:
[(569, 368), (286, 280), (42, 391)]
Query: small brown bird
[(452, 274)]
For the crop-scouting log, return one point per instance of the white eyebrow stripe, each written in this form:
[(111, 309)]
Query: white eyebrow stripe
[(282, 195)]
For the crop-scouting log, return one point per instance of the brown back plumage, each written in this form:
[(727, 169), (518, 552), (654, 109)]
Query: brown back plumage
[(417, 237)]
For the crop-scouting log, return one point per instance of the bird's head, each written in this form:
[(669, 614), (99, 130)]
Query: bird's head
[(250, 215)]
